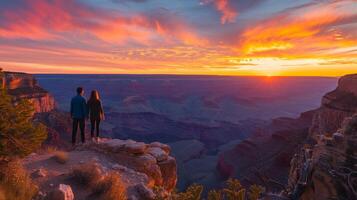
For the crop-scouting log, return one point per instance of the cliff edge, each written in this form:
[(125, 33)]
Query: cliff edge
[(327, 168), (24, 86), (336, 106), (141, 168)]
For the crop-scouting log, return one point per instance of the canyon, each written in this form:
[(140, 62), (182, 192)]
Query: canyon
[(270, 152)]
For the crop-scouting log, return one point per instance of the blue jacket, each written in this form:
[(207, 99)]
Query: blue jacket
[(79, 108)]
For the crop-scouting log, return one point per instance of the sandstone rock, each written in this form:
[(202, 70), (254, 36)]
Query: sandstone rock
[(338, 137), (158, 153), (63, 192), (24, 86), (39, 173), (114, 145), (165, 147), (119, 167), (133, 197), (168, 169), (336, 106), (135, 148), (144, 192)]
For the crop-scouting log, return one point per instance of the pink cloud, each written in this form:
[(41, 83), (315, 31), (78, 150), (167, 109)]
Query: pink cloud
[(47, 20), (228, 12)]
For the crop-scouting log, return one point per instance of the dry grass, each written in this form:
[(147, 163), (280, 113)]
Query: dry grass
[(61, 157), (15, 183), (87, 174), (110, 188)]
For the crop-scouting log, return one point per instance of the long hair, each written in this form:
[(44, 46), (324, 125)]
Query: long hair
[(94, 96)]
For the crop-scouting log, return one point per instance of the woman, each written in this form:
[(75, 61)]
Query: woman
[(96, 113)]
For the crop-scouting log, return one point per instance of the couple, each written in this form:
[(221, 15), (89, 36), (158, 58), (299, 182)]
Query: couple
[(81, 109)]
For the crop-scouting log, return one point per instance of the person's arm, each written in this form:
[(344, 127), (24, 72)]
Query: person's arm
[(71, 109), (101, 110), (85, 108)]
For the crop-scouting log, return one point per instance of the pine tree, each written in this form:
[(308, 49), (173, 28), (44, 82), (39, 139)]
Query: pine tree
[(19, 136)]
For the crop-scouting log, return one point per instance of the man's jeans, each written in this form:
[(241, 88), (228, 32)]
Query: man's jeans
[(81, 124)]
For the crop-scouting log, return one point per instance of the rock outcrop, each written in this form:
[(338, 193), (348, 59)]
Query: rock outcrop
[(326, 169), (336, 106), (141, 167), (151, 159), (25, 86), (63, 192)]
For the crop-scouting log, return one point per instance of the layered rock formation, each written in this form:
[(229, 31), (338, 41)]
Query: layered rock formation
[(264, 158), (327, 169), (336, 106), (25, 86), (140, 166)]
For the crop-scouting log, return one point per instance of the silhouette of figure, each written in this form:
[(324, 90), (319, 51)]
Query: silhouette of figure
[(79, 113), (96, 113)]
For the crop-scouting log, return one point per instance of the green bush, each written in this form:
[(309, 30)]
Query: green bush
[(19, 136), (193, 192), (232, 191), (255, 192), (215, 195)]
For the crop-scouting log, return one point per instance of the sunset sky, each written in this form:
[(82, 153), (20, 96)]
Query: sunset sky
[(217, 37)]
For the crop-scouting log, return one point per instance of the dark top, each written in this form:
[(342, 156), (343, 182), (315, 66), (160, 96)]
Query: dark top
[(95, 109), (79, 107)]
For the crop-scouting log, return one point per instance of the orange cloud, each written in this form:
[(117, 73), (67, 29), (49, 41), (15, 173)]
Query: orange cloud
[(302, 32)]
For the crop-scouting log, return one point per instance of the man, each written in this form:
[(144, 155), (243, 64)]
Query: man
[(79, 114)]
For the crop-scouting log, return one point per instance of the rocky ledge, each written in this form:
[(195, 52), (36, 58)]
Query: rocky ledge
[(141, 167)]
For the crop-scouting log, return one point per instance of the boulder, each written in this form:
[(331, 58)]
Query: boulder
[(114, 145), (144, 192), (39, 173), (135, 148), (164, 147), (158, 153), (63, 192)]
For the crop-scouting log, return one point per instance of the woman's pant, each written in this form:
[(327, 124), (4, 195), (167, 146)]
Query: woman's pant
[(94, 125)]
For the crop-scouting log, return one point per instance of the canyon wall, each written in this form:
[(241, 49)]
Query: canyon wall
[(25, 86), (326, 169), (336, 106)]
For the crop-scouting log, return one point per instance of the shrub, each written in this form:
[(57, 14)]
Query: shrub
[(15, 183), (255, 191), (61, 157), (215, 195), (19, 136), (87, 174), (193, 192), (234, 190), (110, 188), (49, 149)]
